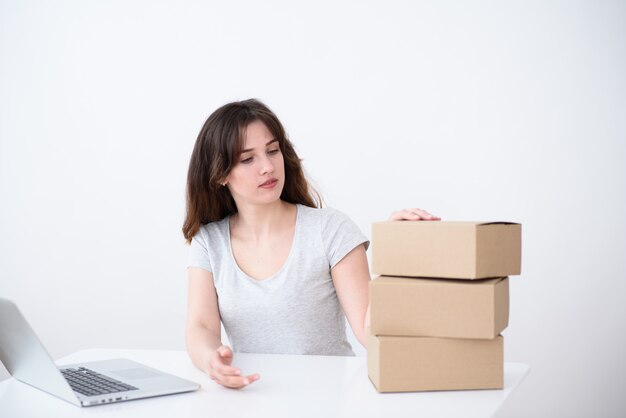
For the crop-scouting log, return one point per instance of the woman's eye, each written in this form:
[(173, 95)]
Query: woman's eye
[(273, 151), (247, 160)]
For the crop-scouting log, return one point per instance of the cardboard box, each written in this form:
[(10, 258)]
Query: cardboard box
[(459, 250), (407, 364), (402, 306)]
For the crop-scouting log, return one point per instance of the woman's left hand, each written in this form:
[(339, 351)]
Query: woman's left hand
[(412, 214)]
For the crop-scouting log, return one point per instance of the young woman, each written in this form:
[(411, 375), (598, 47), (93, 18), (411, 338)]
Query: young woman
[(278, 271)]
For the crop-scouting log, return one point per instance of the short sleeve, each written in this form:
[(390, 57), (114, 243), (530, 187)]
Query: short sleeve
[(340, 235), (199, 252)]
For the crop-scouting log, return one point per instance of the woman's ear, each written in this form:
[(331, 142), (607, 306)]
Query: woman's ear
[(224, 181)]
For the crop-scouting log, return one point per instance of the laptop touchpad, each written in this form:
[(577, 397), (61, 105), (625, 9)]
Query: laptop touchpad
[(136, 373)]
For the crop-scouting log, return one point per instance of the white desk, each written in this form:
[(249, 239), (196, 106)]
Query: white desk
[(290, 386)]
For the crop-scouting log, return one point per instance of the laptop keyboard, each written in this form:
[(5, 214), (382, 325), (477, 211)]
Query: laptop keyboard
[(89, 383)]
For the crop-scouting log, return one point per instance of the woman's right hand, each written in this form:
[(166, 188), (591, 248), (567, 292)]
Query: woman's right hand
[(222, 372)]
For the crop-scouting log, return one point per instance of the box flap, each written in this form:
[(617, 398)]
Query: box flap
[(425, 222), (499, 223)]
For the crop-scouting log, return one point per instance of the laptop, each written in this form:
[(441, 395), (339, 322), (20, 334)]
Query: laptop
[(88, 384)]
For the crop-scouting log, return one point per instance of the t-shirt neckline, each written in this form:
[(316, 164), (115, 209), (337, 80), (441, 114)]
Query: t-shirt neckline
[(287, 260)]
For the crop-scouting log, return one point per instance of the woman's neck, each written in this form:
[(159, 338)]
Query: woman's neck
[(260, 221)]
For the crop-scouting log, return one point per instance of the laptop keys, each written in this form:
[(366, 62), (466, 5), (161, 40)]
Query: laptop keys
[(90, 383)]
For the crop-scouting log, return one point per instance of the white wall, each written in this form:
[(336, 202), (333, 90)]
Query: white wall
[(481, 110)]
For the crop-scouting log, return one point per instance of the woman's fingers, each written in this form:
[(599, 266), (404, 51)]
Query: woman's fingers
[(227, 370), (226, 354), (253, 378), (423, 214), (223, 373), (396, 216), (245, 380), (413, 214), (220, 366), (234, 382)]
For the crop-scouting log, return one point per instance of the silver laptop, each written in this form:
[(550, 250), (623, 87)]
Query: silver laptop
[(87, 384)]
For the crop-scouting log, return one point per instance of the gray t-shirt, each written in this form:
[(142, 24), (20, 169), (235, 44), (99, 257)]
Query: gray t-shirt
[(295, 311)]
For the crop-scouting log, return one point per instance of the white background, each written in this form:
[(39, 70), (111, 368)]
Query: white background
[(481, 110)]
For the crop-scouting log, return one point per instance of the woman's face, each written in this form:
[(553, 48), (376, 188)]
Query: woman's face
[(258, 176)]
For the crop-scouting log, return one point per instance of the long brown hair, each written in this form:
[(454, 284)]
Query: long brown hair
[(217, 151)]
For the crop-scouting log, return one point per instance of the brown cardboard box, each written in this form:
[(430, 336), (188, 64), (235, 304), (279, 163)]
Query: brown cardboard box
[(407, 364), (460, 250), (402, 306)]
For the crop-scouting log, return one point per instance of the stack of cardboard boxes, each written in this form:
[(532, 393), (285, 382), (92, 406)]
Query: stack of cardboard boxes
[(440, 303)]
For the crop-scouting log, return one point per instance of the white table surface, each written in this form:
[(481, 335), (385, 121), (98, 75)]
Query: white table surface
[(290, 386)]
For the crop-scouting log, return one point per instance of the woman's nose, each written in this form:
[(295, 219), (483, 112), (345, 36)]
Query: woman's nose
[(266, 165)]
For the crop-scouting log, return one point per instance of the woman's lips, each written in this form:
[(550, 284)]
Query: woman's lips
[(269, 184)]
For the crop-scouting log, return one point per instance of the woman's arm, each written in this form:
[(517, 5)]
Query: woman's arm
[(351, 277), (203, 330), (203, 333)]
